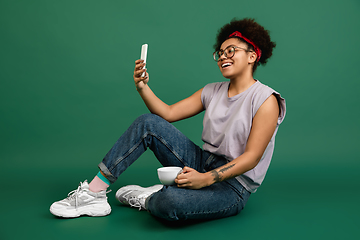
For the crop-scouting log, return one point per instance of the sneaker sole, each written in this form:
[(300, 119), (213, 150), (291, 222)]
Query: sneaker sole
[(92, 211)]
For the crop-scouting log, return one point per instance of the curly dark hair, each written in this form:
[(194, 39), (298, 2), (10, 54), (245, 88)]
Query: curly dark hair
[(251, 30)]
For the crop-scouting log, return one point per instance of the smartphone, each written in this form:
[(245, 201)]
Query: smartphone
[(144, 49)]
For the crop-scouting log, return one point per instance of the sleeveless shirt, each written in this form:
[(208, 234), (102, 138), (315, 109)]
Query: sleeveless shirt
[(227, 124)]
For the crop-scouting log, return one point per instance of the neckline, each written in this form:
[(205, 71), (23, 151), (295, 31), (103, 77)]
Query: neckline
[(240, 94)]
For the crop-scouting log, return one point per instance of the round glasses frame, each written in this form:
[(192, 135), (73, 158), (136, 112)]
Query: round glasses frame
[(229, 52)]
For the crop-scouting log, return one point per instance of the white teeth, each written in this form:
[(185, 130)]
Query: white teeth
[(226, 65)]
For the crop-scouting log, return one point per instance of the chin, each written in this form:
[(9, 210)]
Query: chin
[(228, 76)]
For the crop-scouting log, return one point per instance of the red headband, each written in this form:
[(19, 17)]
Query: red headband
[(256, 49)]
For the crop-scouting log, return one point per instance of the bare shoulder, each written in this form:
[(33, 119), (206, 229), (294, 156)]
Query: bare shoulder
[(268, 113), (270, 106)]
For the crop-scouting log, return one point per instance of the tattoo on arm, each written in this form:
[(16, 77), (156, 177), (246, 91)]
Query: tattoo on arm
[(216, 175), (226, 168)]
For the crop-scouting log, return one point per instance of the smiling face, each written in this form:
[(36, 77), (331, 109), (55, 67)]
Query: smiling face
[(239, 63)]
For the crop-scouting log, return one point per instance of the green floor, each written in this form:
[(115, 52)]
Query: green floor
[(67, 94), (296, 203)]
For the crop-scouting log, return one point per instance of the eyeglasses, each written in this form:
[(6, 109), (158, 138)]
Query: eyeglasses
[(229, 52)]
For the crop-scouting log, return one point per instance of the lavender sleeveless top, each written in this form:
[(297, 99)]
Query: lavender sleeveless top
[(227, 124)]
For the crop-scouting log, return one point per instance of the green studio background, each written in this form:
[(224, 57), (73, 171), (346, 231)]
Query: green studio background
[(67, 94)]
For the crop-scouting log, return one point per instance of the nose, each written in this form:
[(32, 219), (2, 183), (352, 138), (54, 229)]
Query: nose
[(222, 57)]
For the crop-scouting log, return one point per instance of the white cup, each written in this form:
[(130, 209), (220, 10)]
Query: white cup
[(167, 175)]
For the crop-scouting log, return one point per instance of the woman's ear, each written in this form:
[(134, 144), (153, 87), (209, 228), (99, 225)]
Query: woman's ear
[(252, 57)]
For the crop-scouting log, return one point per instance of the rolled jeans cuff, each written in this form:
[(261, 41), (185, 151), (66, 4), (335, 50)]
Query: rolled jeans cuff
[(107, 173)]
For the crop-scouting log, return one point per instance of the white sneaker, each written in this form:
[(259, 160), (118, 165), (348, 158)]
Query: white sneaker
[(135, 196), (82, 202)]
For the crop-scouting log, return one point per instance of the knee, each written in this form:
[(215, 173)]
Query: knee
[(148, 118), (150, 122)]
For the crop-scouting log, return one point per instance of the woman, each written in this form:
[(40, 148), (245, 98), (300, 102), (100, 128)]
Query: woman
[(240, 123)]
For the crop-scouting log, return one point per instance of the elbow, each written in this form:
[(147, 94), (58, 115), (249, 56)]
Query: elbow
[(162, 116), (163, 113), (168, 115), (253, 160)]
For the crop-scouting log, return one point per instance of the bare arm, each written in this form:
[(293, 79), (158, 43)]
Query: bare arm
[(180, 110), (263, 127)]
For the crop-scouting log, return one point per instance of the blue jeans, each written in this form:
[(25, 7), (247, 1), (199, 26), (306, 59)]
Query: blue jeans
[(172, 148)]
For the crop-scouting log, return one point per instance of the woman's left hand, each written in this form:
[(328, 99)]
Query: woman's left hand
[(190, 178)]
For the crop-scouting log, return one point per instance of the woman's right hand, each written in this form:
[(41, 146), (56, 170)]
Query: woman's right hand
[(186, 108), (140, 82)]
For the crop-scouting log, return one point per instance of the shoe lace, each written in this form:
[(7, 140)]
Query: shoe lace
[(74, 195), (134, 201)]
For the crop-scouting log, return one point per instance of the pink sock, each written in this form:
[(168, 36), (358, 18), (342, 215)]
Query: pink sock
[(97, 185)]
